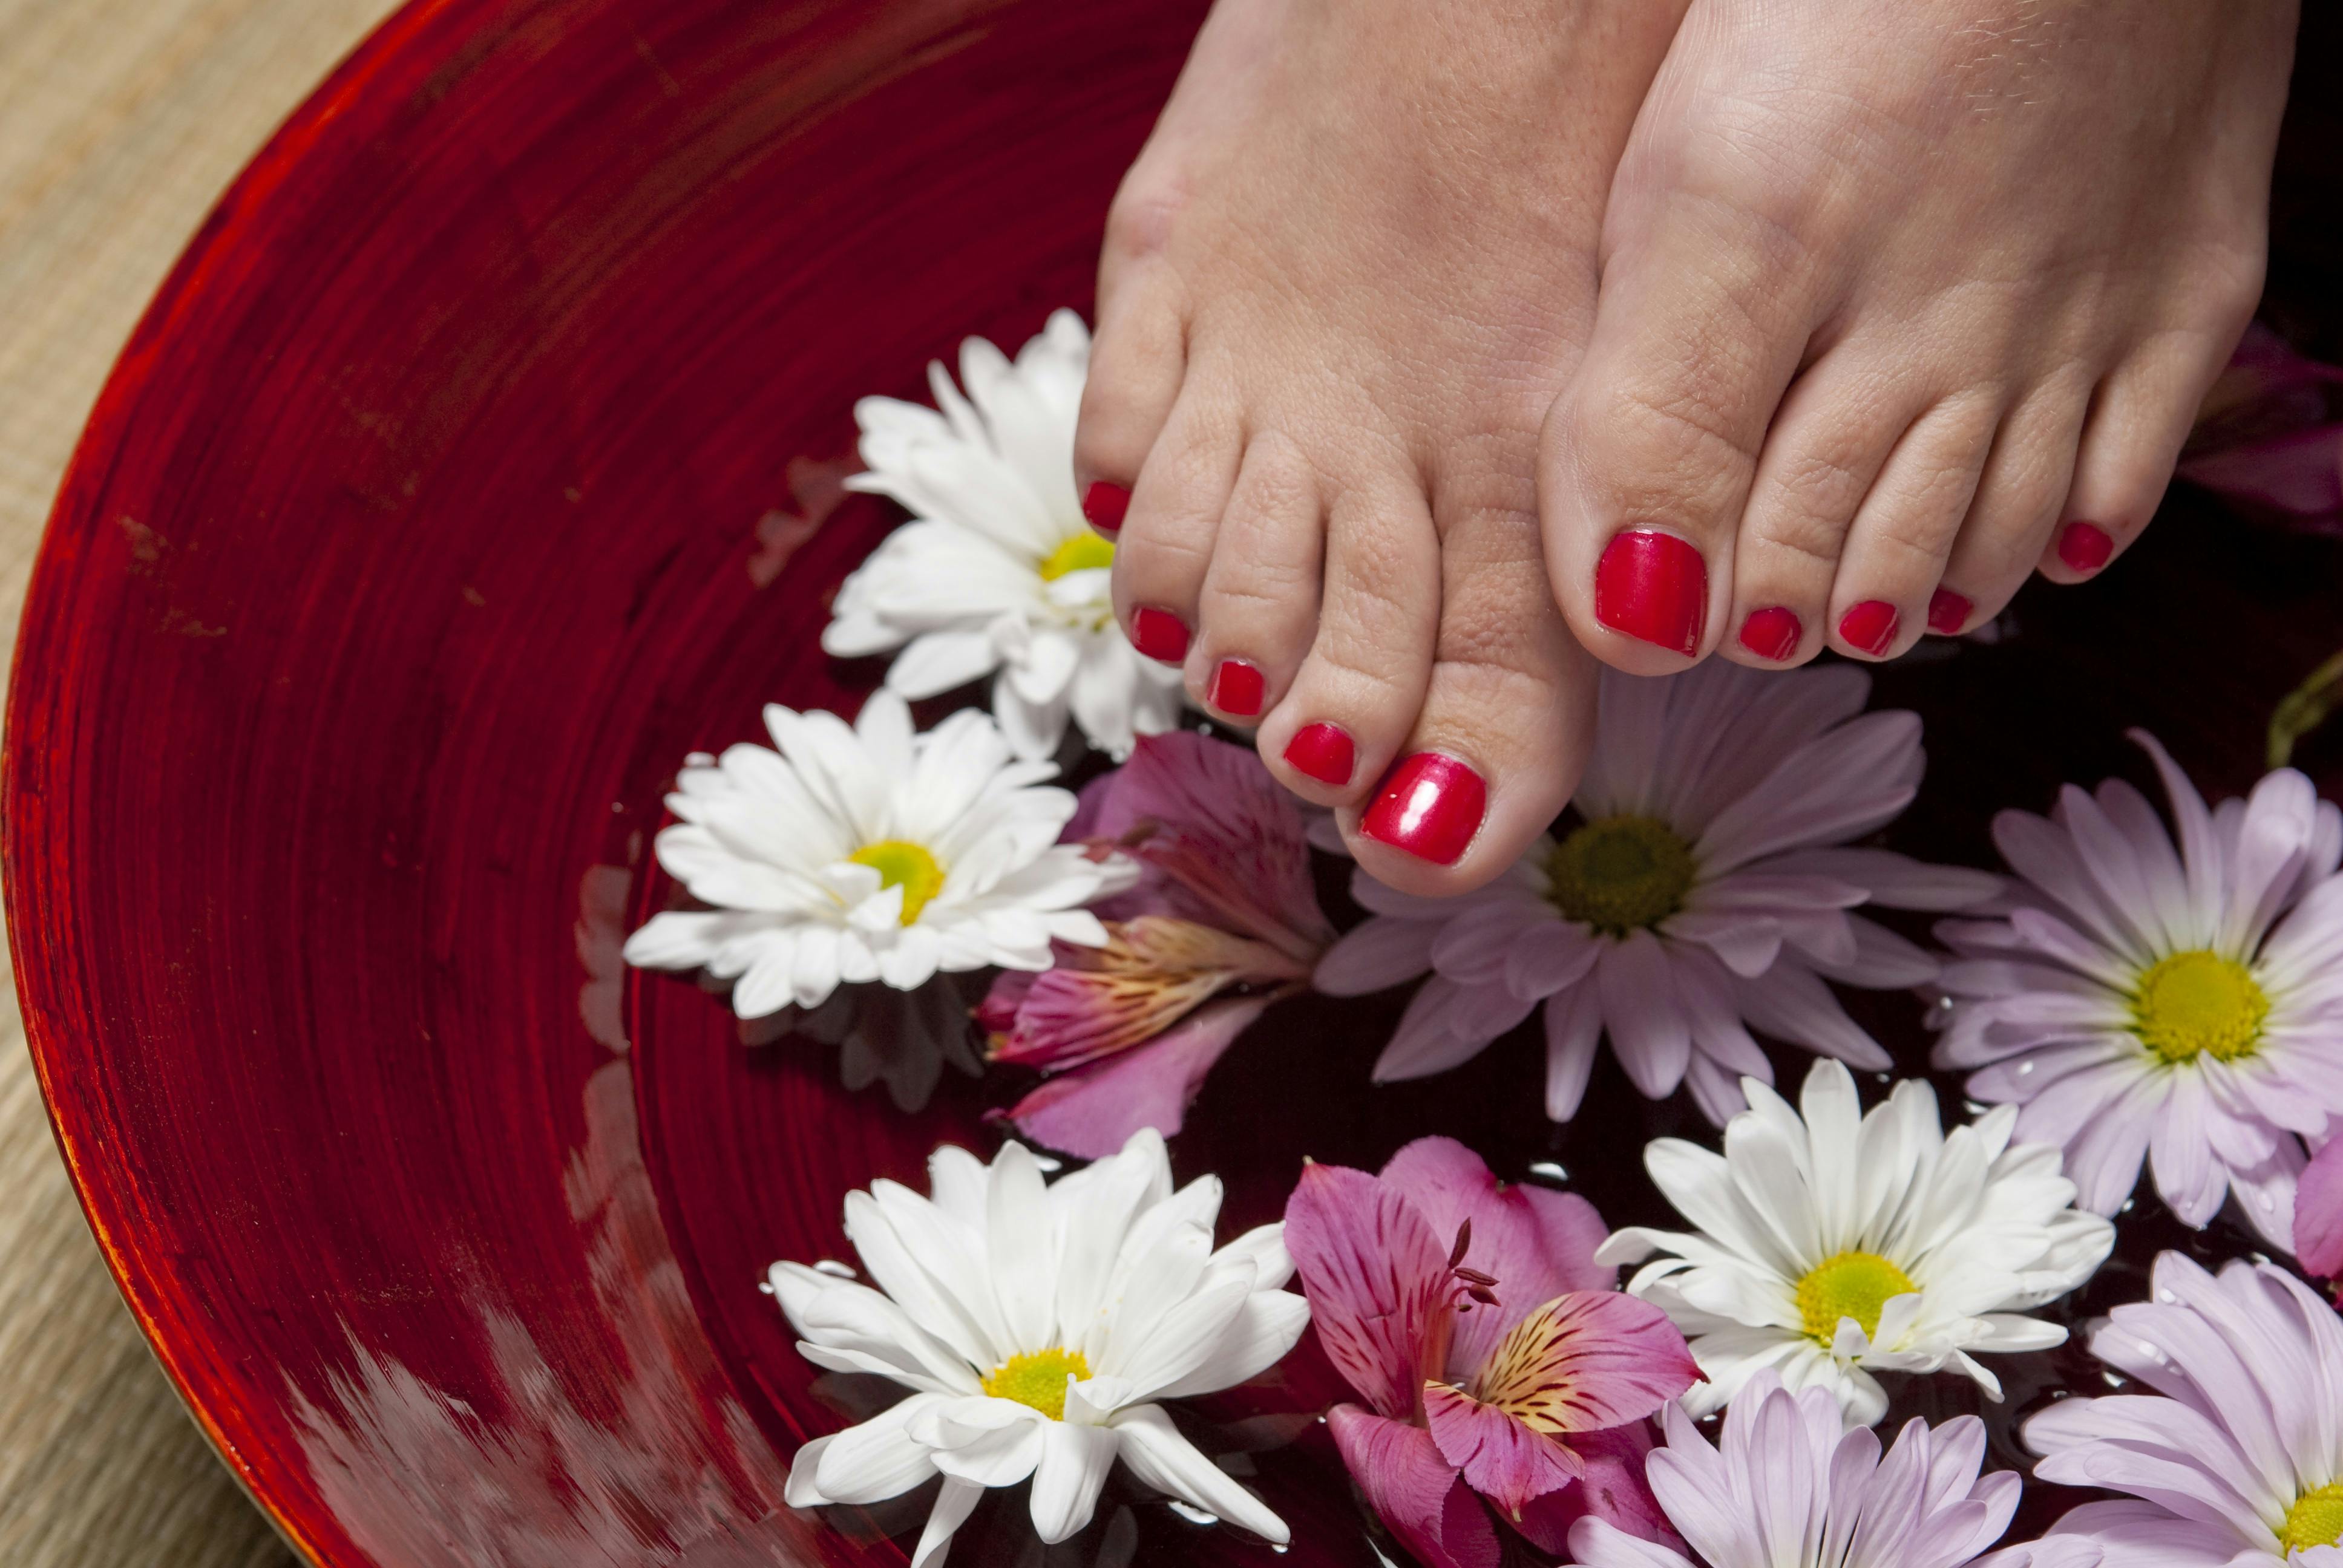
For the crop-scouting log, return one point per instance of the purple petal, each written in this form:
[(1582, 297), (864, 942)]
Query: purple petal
[(1414, 1490), (1094, 1110), (1503, 1460), (2318, 1213), (1613, 1490), (1373, 1273)]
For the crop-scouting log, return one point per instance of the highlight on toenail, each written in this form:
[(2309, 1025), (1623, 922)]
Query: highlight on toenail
[(1772, 632), (1236, 688), (1429, 804), (2086, 546), (1949, 611), (1653, 586), (1104, 505), (1869, 626), (1159, 634), (1323, 752)]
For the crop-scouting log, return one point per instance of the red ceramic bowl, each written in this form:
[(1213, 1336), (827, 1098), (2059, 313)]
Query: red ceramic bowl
[(480, 460)]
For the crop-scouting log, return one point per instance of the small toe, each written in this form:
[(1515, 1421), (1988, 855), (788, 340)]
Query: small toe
[(1902, 534), (1166, 543), (2130, 444), (2019, 495), (1260, 598)]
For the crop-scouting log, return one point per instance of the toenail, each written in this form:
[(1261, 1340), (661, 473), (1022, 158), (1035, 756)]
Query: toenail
[(1104, 504), (1655, 587), (1324, 751), (1772, 633), (1159, 634), (1429, 806), (1949, 611), (1236, 688), (2086, 546), (1869, 626)]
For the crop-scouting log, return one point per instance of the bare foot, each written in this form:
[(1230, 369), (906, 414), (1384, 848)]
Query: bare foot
[(1900, 302), (1343, 286)]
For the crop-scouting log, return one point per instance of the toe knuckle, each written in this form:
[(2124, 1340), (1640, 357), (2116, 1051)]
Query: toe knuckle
[(1662, 449)]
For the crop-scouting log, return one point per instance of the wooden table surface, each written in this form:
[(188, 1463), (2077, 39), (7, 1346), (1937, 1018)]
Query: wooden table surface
[(120, 123)]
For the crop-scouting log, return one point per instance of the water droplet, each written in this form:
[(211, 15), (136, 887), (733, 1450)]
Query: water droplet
[(1047, 1164), (1191, 1513), (835, 1270), (1548, 1170), (766, 1286)]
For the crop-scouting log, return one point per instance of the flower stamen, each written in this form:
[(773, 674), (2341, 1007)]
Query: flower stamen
[(1849, 1285), (1620, 874), (1039, 1378), (903, 864), (1081, 552), (2315, 1520), (2198, 1004)]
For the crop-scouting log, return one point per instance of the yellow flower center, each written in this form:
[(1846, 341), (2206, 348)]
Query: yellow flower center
[(1083, 552), (1620, 873), (1849, 1285), (2315, 1520), (903, 864), (1038, 1378), (2198, 1001)]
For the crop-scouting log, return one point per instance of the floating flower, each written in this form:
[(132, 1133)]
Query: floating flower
[(2269, 437), (2184, 1008), (1498, 1357), (1790, 1487), (1036, 1327), (1705, 891), (997, 573), (1846, 1243), (868, 853), (1222, 921), (2235, 1460)]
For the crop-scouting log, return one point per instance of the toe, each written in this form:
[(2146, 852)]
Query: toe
[(1260, 599), (2010, 519), (1137, 358), (1166, 542), (1648, 455), (1497, 748), (1361, 683), (1885, 594), (2143, 413), (1828, 445)]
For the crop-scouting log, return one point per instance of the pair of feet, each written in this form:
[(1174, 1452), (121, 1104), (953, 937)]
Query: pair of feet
[(1444, 349)]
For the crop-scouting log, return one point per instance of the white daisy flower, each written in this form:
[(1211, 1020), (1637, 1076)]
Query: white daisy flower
[(1846, 1243), (2235, 1459), (2182, 1007), (1037, 1327), (1788, 1487), (997, 571), (1706, 890), (870, 853)]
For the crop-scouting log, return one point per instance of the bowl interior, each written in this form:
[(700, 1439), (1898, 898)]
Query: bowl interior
[(480, 460)]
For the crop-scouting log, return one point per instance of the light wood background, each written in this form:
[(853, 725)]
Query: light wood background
[(121, 121)]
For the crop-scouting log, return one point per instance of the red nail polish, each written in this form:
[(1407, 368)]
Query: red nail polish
[(2086, 546), (1159, 634), (1104, 505), (1429, 806), (1324, 751), (1949, 611), (1236, 688), (1869, 626), (1655, 587), (1772, 633)]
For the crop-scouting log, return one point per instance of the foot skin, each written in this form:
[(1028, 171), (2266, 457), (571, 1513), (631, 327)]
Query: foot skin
[(1900, 305), (1343, 286)]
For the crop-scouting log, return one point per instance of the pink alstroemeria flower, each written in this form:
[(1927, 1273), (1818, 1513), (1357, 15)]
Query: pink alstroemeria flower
[(2269, 437), (1224, 904), (1496, 1356), (2318, 1213)]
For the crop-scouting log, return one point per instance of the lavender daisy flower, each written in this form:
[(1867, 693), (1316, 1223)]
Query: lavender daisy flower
[(2237, 1458), (1789, 1487), (2181, 1007), (1707, 890)]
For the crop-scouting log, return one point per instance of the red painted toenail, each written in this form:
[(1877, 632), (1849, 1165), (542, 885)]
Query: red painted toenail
[(1429, 806), (1104, 504), (2086, 546), (1869, 626), (1949, 611), (1324, 751), (1236, 688), (1772, 633), (1655, 587), (1159, 634)]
